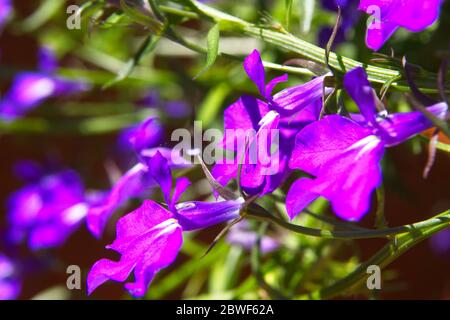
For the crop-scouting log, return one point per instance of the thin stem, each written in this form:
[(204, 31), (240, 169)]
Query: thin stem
[(306, 50), (259, 213), (394, 249)]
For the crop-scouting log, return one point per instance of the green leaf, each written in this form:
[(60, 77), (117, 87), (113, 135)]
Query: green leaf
[(287, 17), (307, 14), (212, 103), (147, 46), (139, 16), (212, 49), (44, 12)]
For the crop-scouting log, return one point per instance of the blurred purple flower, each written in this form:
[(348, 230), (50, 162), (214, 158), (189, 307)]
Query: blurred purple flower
[(242, 235), (135, 183), (343, 154), (145, 135), (389, 15), (10, 285), (440, 243), (30, 89), (5, 11), (177, 109), (349, 17), (47, 210), (150, 237), (287, 111)]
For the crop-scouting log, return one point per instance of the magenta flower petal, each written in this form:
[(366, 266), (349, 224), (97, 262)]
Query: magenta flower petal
[(377, 37), (134, 183), (160, 171), (344, 158), (272, 84), (359, 88), (254, 68), (148, 134), (298, 198), (293, 99), (244, 114), (148, 240), (321, 141), (414, 15), (399, 127), (181, 184), (194, 215)]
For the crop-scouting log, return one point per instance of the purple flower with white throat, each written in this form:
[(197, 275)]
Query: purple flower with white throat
[(343, 154), (137, 182), (278, 117), (47, 210), (30, 89), (150, 237), (10, 285), (389, 15)]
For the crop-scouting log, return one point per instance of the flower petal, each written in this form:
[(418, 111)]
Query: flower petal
[(399, 127), (255, 70), (148, 239), (293, 99), (360, 89), (194, 215)]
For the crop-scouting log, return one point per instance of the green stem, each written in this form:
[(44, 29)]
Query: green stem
[(442, 219), (307, 50), (394, 249)]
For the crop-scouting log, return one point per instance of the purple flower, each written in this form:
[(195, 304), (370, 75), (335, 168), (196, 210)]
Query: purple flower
[(279, 117), (30, 89), (389, 15), (349, 17), (150, 237), (47, 210), (242, 235), (10, 285), (145, 135), (135, 183), (343, 154), (5, 11), (177, 109), (440, 243)]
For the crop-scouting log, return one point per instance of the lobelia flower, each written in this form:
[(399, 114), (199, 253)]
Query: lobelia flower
[(242, 235), (137, 182), (145, 135), (349, 17), (5, 11), (150, 237), (30, 89), (10, 285), (47, 210), (343, 154), (279, 117), (440, 243), (389, 15)]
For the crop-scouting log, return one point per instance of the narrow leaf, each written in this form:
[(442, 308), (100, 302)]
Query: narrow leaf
[(212, 48)]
